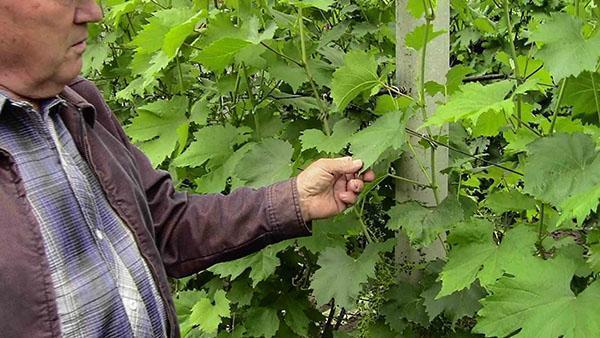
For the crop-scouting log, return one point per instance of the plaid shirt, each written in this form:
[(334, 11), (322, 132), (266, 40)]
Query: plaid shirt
[(103, 286)]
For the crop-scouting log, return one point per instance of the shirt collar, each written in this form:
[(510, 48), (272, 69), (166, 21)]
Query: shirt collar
[(46, 105), (2, 102)]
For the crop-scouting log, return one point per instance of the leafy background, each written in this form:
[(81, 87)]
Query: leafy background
[(231, 93)]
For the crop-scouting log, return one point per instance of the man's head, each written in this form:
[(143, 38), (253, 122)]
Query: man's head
[(41, 44)]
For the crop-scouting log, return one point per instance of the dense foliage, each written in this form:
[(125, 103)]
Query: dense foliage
[(231, 93)]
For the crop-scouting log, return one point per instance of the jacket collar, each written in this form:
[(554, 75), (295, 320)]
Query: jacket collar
[(73, 98)]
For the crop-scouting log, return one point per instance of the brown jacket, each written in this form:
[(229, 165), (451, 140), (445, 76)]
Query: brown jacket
[(178, 234)]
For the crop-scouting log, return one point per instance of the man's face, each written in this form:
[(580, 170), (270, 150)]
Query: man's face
[(42, 43)]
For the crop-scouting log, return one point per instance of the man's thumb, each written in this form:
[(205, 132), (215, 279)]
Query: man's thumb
[(345, 165)]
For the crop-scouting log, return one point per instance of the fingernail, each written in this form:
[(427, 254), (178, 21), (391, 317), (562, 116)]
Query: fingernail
[(357, 162)]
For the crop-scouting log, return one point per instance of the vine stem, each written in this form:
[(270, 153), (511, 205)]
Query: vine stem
[(561, 94), (542, 227), (423, 106), (180, 75), (252, 101), (596, 98), (513, 52), (364, 227), (324, 114), (408, 180)]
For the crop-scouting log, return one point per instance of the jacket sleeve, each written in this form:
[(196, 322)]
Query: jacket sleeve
[(193, 232)]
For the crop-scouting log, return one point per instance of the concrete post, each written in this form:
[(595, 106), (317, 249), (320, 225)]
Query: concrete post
[(408, 73)]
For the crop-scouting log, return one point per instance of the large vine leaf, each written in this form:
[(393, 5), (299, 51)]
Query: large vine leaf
[(473, 100), (583, 93), (262, 322), (342, 131), (403, 306), (503, 201), (475, 254), (416, 38), (208, 313), (160, 39), (580, 205), (341, 276), (560, 167), (155, 127), (565, 51), (214, 144), (541, 303), (388, 132), (262, 264), (266, 163), (456, 306), (358, 75), (221, 53), (424, 225)]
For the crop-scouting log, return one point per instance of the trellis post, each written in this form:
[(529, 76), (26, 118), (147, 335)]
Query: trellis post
[(408, 76)]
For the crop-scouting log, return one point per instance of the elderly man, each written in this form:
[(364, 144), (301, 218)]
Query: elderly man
[(89, 230)]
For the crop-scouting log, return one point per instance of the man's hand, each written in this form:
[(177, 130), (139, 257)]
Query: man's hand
[(328, 186)]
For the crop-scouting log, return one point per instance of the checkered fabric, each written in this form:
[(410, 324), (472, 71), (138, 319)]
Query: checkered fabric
[(103, 285)]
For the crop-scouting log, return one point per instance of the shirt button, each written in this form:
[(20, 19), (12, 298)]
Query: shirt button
[(99, 234), (132, 305)]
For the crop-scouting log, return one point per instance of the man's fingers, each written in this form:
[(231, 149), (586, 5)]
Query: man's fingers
[(341, 166), (369, 176), (355, 185), (348, 197)]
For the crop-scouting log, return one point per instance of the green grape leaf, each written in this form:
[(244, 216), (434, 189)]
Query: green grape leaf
[(266, 163), (295, 316), (517, 142), (474, 100), (594, 257), (177, 34), (262, 264), (261, 322), (184, 302), (455, 77), (358, 75), (417, 7), (489, 123), (540, 303), (216, 180), (460, 304), (424, 225), (214, 144), (475, 255), (342, 131), (221, 53), (208, 313), (387, 103), (289, 73), (387, 132), (503, 201), (241, 293), (155, 127), (561, 166), (95, 56), (565, 51), (580, 205), (416, 38), (320, 4), (403, 305), (341, 276), (159, 40), (583, 93), (329, 233)]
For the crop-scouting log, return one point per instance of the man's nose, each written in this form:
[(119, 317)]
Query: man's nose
[(88, 11)]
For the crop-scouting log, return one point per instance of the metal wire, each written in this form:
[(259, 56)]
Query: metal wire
[(435, 143)]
